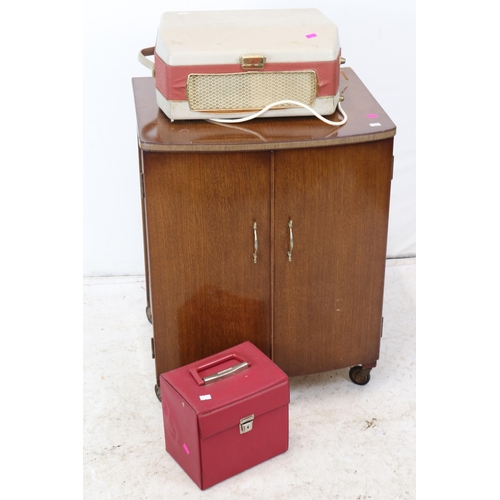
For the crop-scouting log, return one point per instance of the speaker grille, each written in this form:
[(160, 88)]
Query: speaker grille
[(249, 91)]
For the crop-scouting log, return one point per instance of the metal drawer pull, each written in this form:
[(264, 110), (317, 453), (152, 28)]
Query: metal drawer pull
[(255, 243), (290, 225)]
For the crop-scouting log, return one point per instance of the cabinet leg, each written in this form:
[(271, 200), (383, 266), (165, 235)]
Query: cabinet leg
[(157, 392)]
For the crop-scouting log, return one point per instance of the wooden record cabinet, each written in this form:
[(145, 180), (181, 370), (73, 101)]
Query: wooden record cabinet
[(272, 231)]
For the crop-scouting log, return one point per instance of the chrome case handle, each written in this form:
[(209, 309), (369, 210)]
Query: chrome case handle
[(233, 370), (290, 225)]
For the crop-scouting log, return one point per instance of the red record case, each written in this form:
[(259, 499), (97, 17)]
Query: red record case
[(225, 413)]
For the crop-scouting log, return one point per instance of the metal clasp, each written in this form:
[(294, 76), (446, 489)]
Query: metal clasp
[(246, 424), (252, 62)]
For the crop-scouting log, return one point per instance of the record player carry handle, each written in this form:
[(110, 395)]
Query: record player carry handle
[(149, 51)]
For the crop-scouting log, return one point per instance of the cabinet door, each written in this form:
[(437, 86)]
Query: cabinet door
[(328, 297), (207, 292)]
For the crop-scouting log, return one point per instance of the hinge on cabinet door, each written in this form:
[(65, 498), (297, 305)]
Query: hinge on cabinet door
[(152, 347), (382, 327), (392, 169), (143, 193)]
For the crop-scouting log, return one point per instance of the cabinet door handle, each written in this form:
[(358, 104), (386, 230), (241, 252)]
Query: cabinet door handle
[(255, 243), (290, 225)]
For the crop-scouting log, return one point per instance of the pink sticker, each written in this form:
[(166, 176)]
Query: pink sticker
[(372, 115), (186, 449), (311, 35)]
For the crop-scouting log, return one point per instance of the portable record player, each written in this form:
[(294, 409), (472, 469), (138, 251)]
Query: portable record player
[(232, 64)]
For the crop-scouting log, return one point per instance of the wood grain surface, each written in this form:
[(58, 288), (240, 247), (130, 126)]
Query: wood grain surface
[(205, 186)]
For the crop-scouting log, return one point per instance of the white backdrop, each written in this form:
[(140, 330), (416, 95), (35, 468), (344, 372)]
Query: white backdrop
[(378, 42)]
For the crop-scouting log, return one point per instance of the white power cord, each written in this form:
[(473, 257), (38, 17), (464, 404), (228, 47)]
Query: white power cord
[(286, 101)]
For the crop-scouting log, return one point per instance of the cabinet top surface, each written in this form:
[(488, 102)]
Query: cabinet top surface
[(367, 121)]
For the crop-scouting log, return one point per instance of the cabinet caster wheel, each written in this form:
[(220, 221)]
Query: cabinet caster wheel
[(149, 315), (359, 375), (157, 392)]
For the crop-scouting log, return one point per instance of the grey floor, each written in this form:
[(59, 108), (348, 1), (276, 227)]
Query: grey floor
[(346, 441)]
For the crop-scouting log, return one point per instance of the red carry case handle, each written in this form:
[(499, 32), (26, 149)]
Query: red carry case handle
[(228, 372)]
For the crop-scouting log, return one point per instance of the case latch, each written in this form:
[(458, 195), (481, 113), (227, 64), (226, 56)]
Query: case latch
[(252, 62), (246, 424)]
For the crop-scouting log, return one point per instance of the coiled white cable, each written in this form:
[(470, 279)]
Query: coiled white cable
[(278, 103)]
